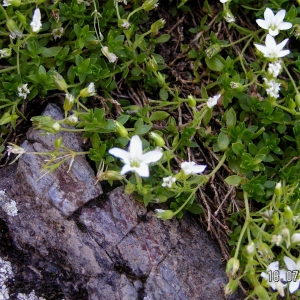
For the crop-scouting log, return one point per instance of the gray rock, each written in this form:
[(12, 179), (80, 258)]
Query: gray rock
[(67, 191)]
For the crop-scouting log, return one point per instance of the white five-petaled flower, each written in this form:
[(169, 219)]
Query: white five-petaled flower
[(23, 91), (271, 49), (274, 69), (293, 267), (189, 168), (273, 88), (36, 23), (274, 23), (274, 281), (110, 56), (168, 181), (212, 101), (134, 159)]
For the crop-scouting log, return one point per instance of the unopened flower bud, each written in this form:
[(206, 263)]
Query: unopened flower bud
[(228, 16), (267, 216), (159, 141), (286, 234), (249, 250), (275, 219), (231, 286), (191, 101), (295, 238), (161, 79), (112, 175), (13, 29), (56, 127), (5, 53), (278, 189), (164, 214), (71, 120), (212, 50), (157, 25), (15, 3), (60, 83), (88, 91), (237, 86), (123, 24), (58, 142), (69, 102), (288, 213), (110, 56), (261, 292), (297, 100), (122, 131), (149, 5), (232, 266), (265, 251), (152, 64), (129, 188)]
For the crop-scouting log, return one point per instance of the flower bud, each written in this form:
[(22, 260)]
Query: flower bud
[(288, 213), (59, 82), (149, 4), (231, 286), (261, 292), (265, 251), (232, 266), (56, 127), (69, 102), (159, 141), (237, 86), (71, 120), (249, 250), (286, 234), (13, 29), (88, 91), (228, 16), (15, 3), (112, 175), (278, 189), (157, 25), (161, 79), (129, 188), (121, 129), (152, 64), (58, 142), (5, 53), (109, 55), (267, 216), (212, 50), (123, 24), (295, 238), (191, 101), (164, 214), (21, 17)]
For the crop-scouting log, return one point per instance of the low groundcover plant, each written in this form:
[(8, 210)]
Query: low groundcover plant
[(212, 129)]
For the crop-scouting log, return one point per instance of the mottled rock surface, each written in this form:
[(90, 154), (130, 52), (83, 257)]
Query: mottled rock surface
[(112, 245)]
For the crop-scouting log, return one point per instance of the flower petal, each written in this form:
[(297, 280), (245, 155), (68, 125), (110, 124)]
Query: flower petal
[(198, 169), (273, 32), (294, 285), (270, 42), (262, 23), (280, 16), (290, 264), (269, 15), (142, 170), (284, 26), (152, 156), (282, 44), (274, 266), (120, 153), (283, 53), (135, 148), (262, 49), (126, 168)]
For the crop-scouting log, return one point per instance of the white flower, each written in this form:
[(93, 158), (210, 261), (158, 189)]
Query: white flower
[(294, 267), (223, 1), (273, 88), (91, 89), (272, 50), (276, 239), (274, 23), (36, 23), (126, 24), (286, 234), (111, 56), (274, 276), (189, 168), (23, 91), (134, 159), (274, 69), (168, 181), (212, 101)]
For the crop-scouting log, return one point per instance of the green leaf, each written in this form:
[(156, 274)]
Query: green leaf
[(231, 118), (234, 180), (159, 115), (195, 208), (207, 117), (223, 141), (50, 52), (163, 94), (142, 130), (238, 148), (95, 139), (162, 39), (215, 63)]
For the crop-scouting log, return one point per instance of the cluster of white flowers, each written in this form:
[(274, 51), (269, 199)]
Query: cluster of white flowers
[(274, 69), (278, 279), (8, 205), (168, 181), (272, 88), (23, 91)]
